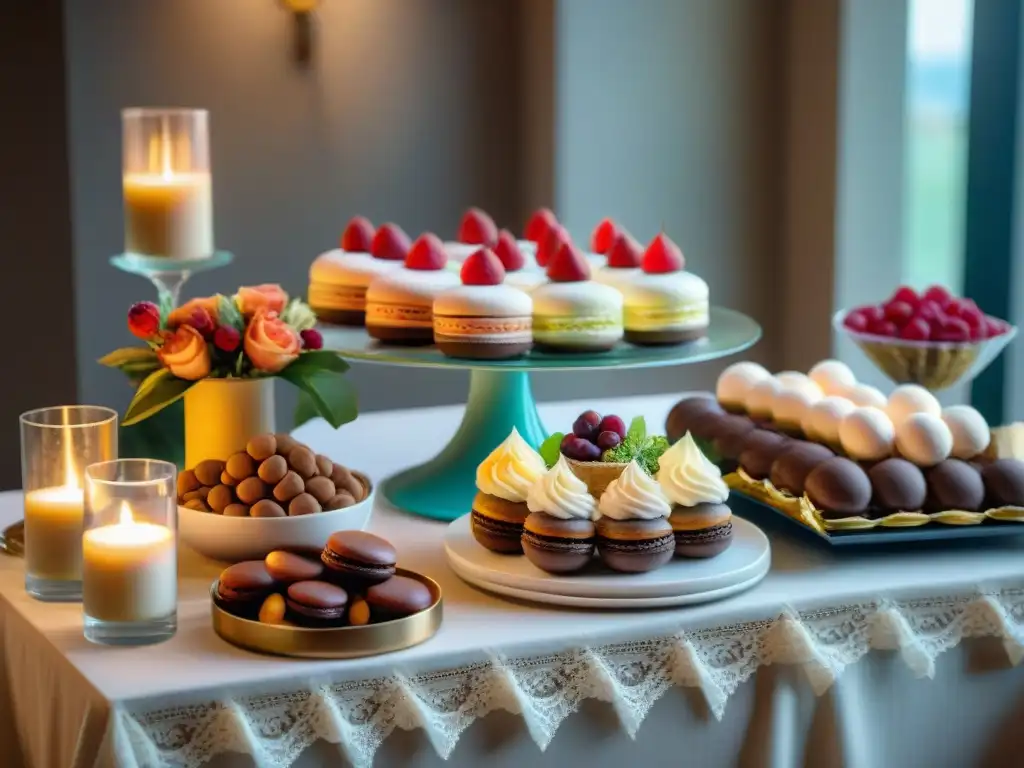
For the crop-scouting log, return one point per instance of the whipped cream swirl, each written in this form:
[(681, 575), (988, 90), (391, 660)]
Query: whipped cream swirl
[(634, 495), (561, 494), (511, 469), (688, 478)]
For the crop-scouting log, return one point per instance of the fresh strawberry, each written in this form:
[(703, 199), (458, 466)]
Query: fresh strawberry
[(954, 329), (662, 255), (508, 251), (603, 236), (995, 327), (856, 321), (482, 268), (427, 253), (929, 310), (540, 222), (477, 228), (556, 237), (390, 242), (568, 265), (885, 328), (937, 293), (916, 330), (625, 252), (906, 294), (358, 235), (899, 312)]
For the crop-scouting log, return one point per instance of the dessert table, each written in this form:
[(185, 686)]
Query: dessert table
[(825, 662)]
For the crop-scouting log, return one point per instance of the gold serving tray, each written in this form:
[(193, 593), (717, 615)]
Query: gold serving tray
[(335, 642)]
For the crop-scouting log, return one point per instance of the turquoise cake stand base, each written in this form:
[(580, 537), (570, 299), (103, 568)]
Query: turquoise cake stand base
[(500, 398)]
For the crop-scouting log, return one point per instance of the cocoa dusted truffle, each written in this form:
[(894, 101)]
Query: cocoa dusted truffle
[(954, 484), (1004, 483), (680, 418), (898, 485), (707, 424), (761, 448), (791, 468), (839, 488), (728, 439)]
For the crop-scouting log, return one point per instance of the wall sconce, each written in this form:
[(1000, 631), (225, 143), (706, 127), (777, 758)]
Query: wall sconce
[(302, 29)]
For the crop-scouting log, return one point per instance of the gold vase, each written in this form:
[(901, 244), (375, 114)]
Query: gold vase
[(222, 414)]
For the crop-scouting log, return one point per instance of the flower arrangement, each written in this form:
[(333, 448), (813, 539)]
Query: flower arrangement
[(257, 332)]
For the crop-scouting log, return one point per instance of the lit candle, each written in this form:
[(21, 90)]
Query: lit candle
[(53, 526), (130, 571)]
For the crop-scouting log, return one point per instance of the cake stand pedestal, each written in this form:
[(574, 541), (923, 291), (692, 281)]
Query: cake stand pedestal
[(500, 398), (168, 275)]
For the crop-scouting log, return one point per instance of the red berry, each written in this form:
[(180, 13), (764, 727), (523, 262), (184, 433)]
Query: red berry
[(937, 293), (587, 425), (203, 322), (608, 440), (390, 242), (358, 235), (582, 450), (603, 236), (662, 255), (954, 329), (929, 310), (625, 252), (873, 313), (482, 268), (227, 338), (994, 327), (856, 321), (978, 332), (508, 251), (898, 312), (973, 316), (568, 266), (554, 239), (916, 330), (611, 423), (312, 339), (144, 319), (885, 328), (477, 228), (906, 294), (426, 254), (540, 222)]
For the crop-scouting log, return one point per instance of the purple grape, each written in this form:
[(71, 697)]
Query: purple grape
[(586, 425), (608, 440), (577, 448), (613, 424)]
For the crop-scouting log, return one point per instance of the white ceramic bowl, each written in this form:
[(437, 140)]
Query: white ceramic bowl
[(234, 539)]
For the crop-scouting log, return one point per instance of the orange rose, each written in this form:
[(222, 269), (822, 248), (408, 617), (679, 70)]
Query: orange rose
[(267, 297), (271, 343), (186, 354), (184, 313)]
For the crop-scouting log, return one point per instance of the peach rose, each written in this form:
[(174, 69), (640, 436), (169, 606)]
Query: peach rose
[(186, 354), (267, 297), (271, 343), (184, 313)]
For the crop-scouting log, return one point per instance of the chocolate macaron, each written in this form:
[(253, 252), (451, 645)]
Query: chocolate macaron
[(703, 530), (839, 488), (359, 557), (635, 546), (556, 545), (791, 468), (1004, 483), (243, 586), (287, 567), (397, 597), (497, 524), (954, 484), (316, 603), (897, 486)]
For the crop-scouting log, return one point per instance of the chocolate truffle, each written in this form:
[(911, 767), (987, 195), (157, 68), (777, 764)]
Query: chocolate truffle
[(728, 440), (954, 484), (1004, 483), (707, 424), (839, 488), (897, 485), (760, 449), (791, 468), (685, 411)]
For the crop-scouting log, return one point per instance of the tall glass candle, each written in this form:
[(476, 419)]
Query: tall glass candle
[(56, 446), (168, 202), (129, 552)]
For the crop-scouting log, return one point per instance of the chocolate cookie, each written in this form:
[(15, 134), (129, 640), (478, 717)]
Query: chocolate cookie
[(954, 484), (897, 485), (839, 488), (791, 468)]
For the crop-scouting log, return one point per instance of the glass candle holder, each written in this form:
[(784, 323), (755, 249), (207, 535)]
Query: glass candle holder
[(129, 552), (168, 202), (57, 444)]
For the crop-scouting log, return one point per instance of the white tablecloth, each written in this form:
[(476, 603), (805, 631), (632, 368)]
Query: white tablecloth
[(182, 702)]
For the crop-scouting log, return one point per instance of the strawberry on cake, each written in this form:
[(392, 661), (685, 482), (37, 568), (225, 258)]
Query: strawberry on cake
[(623, 261), (476, 229), (538, 225), (603, 236), (517, 264)]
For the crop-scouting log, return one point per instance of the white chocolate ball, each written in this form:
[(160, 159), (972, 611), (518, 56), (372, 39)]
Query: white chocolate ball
[(970, 431), (866, 433), (797, 380), (790, 405), (821, 422), (924, 439), (911, 398), (833, 376), (735, 382), (864, 395), (761, 397)]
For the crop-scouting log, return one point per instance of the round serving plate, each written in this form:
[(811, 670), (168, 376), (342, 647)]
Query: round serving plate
[(334, 642), (749, 557)]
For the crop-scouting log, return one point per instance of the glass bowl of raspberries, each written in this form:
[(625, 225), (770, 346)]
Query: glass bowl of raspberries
[(932, 338)]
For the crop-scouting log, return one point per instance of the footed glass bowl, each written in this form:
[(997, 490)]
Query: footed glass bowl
[(935, 365)]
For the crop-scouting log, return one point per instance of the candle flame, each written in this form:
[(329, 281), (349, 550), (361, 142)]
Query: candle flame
[(126, 514)]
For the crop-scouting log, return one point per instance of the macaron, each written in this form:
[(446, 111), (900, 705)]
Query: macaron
[(357, 556), (244, 585), (635, 546), (287, 567), (701, 531), (556, 545), (316, 602), (397, 597), (497, 524)]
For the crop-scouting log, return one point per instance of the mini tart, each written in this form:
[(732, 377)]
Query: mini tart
[(489, 322), (399, 304), (704, 530), (665, 308), (558, 546), (497, 524), (577, 317), (338, 281)]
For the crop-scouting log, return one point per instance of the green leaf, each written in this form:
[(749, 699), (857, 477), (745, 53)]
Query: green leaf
[(319, 360), (305, 409), (157, 391), (551, 448), (637, 428), (228, 314), (332, 395), (162, 436), (119, 358)]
